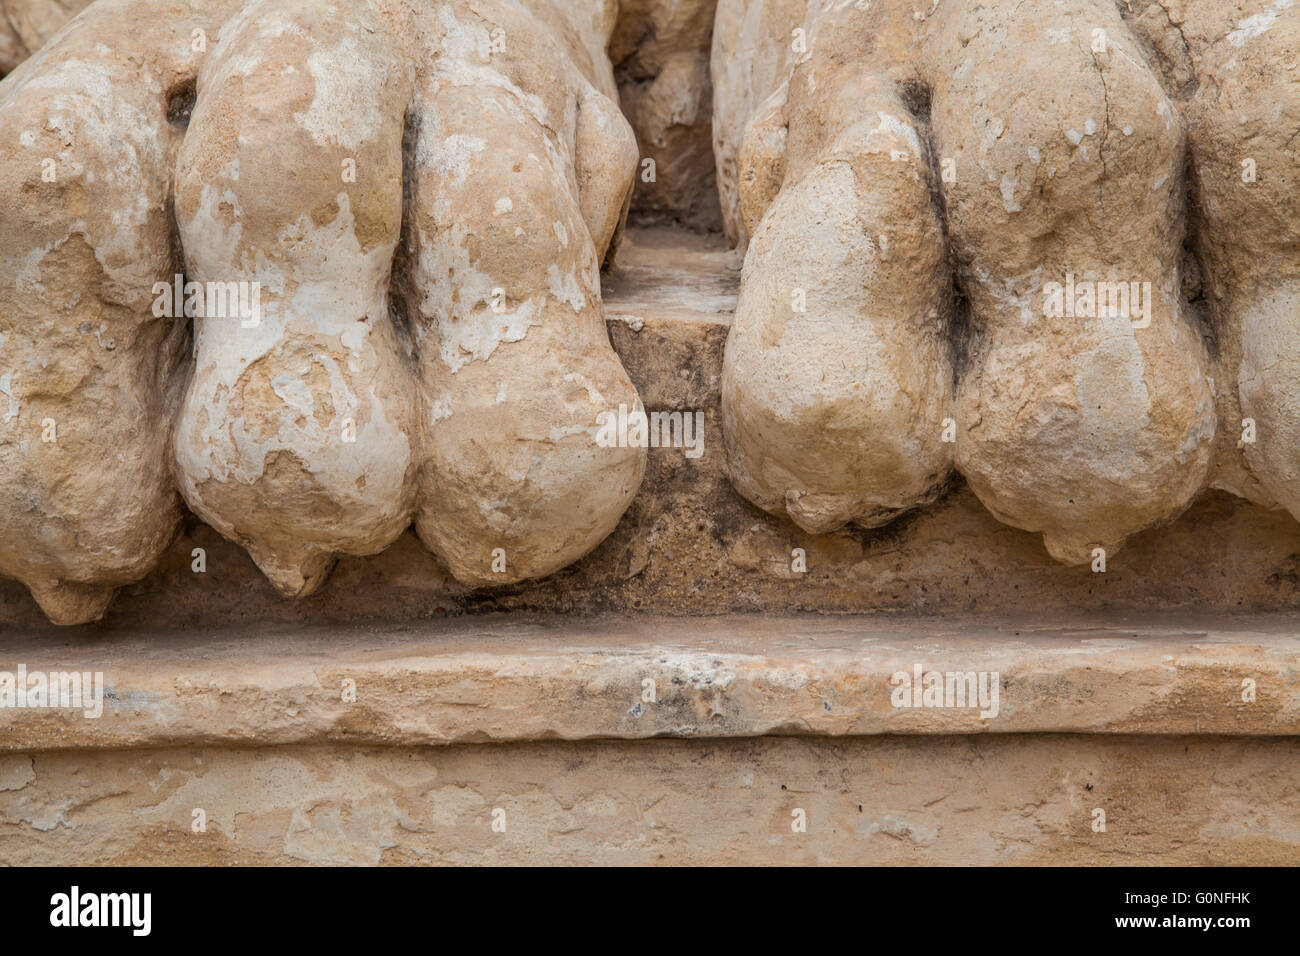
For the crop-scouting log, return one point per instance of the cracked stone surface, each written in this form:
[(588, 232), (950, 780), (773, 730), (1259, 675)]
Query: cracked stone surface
[(480, 167)]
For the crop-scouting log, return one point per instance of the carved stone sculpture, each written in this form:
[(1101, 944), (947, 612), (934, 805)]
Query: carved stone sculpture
[(410, 203), (967, 248)]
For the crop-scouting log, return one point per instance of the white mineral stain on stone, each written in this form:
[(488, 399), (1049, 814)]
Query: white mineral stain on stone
[(326, 289), (896, 127), (565, 287), (702, 670), (453, 156), (559, 433), (593, 393), (477, 337), (502, 206), (465, 62), (277, 26), (440, 408), (16, 772), (27, 279), (6, 389), (294, 392), (1258, 24), (467, 327), (348, 84), (50, 816), (354, 337), (1009, 193), (87, 108)]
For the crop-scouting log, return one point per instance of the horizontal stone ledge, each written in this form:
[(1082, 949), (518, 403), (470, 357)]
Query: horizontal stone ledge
[(494, 678)]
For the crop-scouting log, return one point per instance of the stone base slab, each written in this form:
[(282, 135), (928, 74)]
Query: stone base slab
[(661, 740), (998, 799)]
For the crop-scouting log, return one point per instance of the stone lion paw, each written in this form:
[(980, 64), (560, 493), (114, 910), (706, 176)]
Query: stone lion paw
[(409, 202), (1243, 125), (1032, 153)]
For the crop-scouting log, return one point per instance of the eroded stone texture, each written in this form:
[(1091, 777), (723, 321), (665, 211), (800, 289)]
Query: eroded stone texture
[(421, 194), (89, 376), (939, 800), (25, 25), (837, 376), (575, 677), (661, 55), (1054, 137), (753, 49), (1093, 426), (689, 544), (837, 379), (1232, 67)]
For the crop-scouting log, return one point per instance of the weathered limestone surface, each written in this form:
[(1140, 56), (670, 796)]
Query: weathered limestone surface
[(1013, 139), (753, 50), (1161, 691), (1231, 65), (454, 721), (660, 52), (500, 679), (691, 545), (456, 381), (837, 378), (840, 451), (940, 800), (25, 26)]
